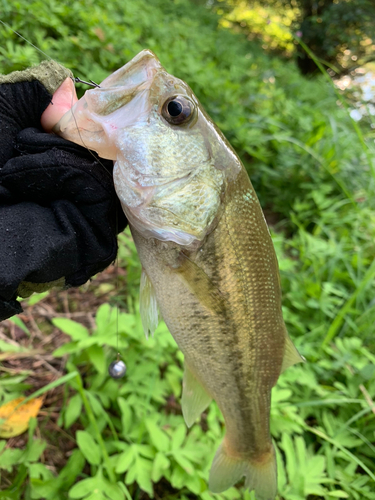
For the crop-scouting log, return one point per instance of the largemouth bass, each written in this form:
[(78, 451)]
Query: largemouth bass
[(208, 260)]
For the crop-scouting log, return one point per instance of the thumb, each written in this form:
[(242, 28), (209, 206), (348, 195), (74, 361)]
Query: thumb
[(63, 99)]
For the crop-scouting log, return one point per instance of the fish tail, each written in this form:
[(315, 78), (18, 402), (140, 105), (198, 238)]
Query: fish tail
[(261, 474)]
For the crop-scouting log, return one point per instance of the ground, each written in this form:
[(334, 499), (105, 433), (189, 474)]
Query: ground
[(79, 304)]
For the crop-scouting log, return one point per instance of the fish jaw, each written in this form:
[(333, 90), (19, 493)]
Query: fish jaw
[(120, 100)]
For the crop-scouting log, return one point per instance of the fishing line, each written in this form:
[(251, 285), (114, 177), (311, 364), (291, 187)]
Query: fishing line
[(117, 368), (27, 41)]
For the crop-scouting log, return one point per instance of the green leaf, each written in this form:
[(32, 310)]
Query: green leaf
[(178, 436), (335, 442), (159, 466), (179, 477), (72, 468), (73, 410), (45, 489), (287, 445), (158, 438), (281, 476), (83, 488), (96, 405), (112, 491), (194, 484), (146, 450), (7, 347), (338, 494), (89, 448), (97, 358), (18, 322), (178, 455), (368, 372), (34, 450), (125, 459), (37, 297), (103, 318), (126, 415), (141, 471), (40, 471), (9, 458), (69, 348), (75, 330)]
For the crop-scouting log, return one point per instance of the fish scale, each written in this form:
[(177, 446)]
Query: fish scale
[(241, 355)]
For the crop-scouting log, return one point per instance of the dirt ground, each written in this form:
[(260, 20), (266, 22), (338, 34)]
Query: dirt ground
[(38, 364)]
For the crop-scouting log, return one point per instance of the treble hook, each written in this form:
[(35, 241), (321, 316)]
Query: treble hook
[(90, 83)]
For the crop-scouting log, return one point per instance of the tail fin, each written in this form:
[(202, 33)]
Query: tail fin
[(260, 476)]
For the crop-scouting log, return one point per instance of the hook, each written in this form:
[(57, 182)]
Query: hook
[(90, 83)]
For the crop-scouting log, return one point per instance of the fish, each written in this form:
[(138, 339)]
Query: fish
[(208, 262)]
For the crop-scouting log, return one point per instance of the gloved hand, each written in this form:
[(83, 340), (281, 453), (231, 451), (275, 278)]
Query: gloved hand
[(59, 214)]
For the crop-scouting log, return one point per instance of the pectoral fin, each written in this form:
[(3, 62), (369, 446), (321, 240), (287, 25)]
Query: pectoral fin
[(200, 284), (291, 355), (194, 397), (148, 306)]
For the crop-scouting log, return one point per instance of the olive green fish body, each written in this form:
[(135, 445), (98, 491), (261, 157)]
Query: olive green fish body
[(222, 305)]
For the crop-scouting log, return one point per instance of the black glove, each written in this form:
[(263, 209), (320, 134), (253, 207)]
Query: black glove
[(59, 214)]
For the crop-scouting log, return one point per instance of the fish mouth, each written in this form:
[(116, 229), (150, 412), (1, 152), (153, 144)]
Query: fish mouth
[(142, 68), (121, 87), (120, 101)]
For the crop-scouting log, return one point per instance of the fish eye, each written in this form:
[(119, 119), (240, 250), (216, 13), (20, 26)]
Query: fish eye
[(178, 110)]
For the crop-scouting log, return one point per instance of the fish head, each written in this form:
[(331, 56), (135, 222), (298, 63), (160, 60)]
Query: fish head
[(172, 163)]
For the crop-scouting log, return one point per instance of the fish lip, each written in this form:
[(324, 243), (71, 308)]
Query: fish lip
[(137, 73)]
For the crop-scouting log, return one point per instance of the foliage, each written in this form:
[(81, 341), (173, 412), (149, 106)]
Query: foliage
[(131, 439), (340, 32), (270, 23), (314, 173)]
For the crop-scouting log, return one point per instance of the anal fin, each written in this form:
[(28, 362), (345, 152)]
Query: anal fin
[(148, 306), (291, 355), (194, 397)]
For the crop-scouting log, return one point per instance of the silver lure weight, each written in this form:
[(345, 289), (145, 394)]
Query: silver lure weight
[(117, 369)]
